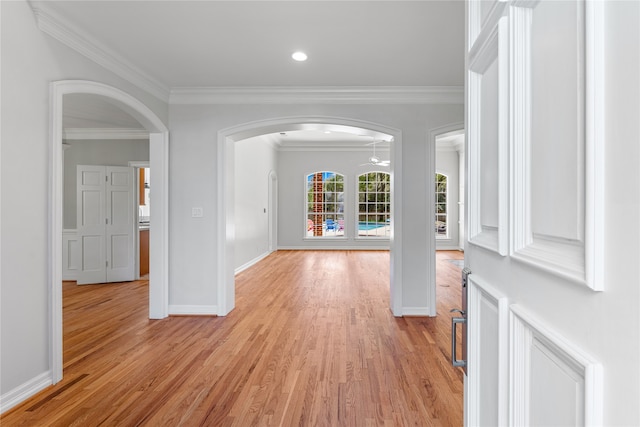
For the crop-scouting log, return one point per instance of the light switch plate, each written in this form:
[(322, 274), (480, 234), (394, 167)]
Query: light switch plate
[(197, 213)]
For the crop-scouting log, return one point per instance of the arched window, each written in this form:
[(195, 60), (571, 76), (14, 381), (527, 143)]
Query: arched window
[(441, 206), (325, 205), (374, 204)]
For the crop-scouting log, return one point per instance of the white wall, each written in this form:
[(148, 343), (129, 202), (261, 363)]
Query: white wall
[(30, 61), (193, 152), (447, 163), (116, 152), (255, 159)]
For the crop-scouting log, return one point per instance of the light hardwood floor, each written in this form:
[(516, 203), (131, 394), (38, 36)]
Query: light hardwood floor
[(311, 342)]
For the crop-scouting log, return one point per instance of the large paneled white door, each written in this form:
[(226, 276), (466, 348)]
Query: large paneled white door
[(534, 212), (105, 222)]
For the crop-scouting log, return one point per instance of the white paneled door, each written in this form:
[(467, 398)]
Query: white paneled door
[(533, 212), (105, 220)]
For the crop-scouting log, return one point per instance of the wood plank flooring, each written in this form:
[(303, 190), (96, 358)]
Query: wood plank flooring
[(311, 342)]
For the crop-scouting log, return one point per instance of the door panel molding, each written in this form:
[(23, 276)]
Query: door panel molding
[(483, 16), (488, 121), (488, 345), (578, 256), (547, 369)]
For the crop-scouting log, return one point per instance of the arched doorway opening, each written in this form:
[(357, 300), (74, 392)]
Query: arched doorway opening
[(446, 160), (225, 167), (158, 147)]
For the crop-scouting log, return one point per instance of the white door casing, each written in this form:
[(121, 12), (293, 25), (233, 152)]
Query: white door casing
[(534, 210), (106, 224)]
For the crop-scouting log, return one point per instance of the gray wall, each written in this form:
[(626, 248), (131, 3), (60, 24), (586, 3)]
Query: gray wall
[(32, 60), (194, 178), (255, 159), (116, 152)]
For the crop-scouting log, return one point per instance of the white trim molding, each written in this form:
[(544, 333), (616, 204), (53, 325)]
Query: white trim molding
[(482, 16), (533, 342), (24, 391), (486, 302), (580, 259), (104, 133), (193, 310), (491, 48), (319, 95), (418, 311), (53, 24), (251, 263)]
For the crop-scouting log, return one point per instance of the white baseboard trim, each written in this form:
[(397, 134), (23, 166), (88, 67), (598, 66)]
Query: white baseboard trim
[(334, 248), (447, 246), (193, 310), (24, 391), (252, 262), (416, 311)]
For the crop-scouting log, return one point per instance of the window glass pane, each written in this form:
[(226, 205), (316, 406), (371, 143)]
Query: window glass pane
[(374, 215), (441, 206), (325, 204)]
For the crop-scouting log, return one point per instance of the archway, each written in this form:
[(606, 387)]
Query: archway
[(456, 131), (225, 191), (159, 153)]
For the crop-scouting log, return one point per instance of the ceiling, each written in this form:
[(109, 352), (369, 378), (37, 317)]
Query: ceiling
[(248, 44)]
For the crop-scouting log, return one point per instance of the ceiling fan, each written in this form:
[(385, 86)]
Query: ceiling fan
[(375, 160)]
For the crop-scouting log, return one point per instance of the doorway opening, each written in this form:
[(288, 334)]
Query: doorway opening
[(226, 193), (448, 197), (158, 159)]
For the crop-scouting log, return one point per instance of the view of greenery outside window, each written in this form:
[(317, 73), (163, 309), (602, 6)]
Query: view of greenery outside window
[(325, 205), (441, 206), (374, 204)]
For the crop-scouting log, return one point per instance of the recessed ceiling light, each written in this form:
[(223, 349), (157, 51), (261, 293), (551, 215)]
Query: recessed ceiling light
[(299, 56)]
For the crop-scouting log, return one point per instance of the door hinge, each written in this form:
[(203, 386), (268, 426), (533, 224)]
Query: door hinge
[(106, 220), (106, 178), (106, 264)]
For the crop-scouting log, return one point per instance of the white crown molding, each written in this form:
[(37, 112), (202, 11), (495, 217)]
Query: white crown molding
[(70, 35), (60, 29), (104, 133), (328, 146), (319, 95)]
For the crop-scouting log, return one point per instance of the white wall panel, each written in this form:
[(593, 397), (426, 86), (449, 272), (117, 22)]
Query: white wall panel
[(557, 151)]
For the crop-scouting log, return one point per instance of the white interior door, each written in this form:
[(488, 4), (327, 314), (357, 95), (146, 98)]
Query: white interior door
[(105, 215), (533, 211), (120, 226), (91, 218)]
